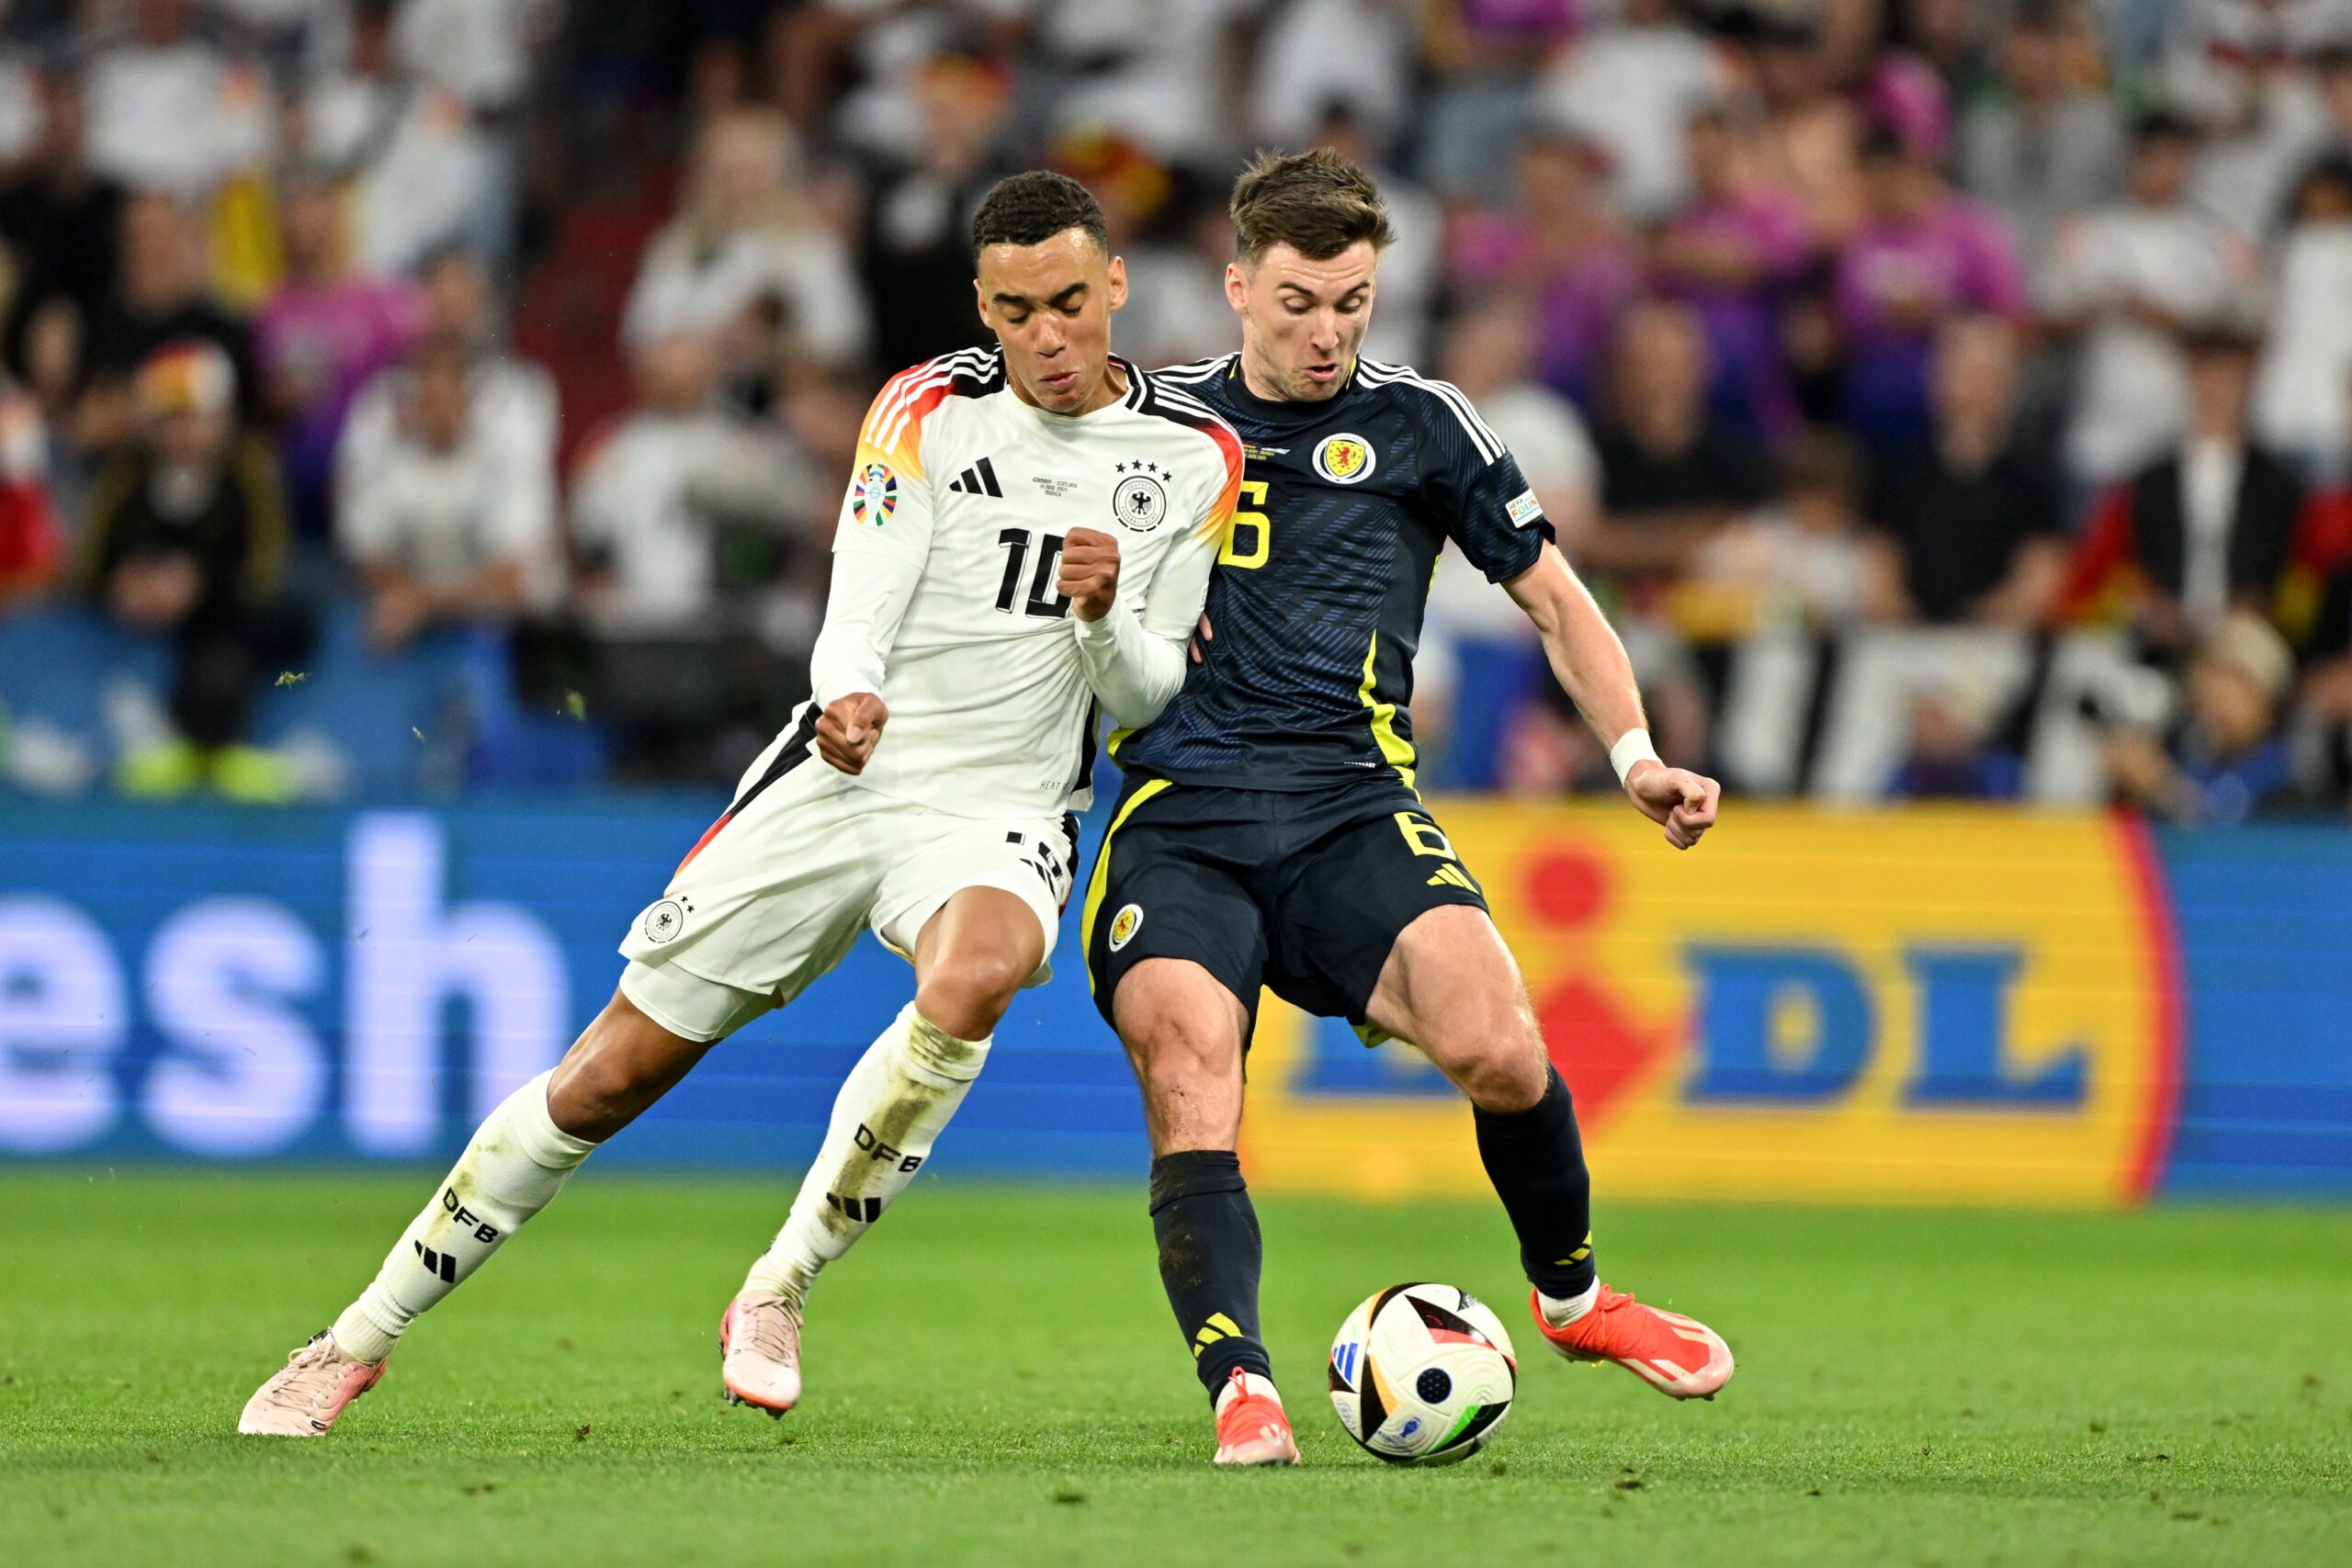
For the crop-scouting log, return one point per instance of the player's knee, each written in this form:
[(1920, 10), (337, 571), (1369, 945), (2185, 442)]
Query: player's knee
[(1173, 1053), (968, 998), (1503, 1076)]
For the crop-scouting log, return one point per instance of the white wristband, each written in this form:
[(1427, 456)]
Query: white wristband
[(1633, 747)]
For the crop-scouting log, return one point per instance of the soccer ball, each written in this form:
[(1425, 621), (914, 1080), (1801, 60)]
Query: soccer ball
[(1422, 1374)]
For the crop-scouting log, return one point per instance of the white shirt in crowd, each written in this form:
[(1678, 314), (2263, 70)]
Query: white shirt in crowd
[(2210, 472), (680, 289), (2224, 58), (21, 118), (421, 169), (1355, 53), (2132, 393), (180, 117), (1633, 90), (1176, 310), (446, 514), (2299, 396), (647, 500), (1151, 70), (479, 50), (1795, 572)]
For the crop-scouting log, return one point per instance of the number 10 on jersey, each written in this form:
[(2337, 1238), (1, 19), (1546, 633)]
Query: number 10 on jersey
[(1042, 602)]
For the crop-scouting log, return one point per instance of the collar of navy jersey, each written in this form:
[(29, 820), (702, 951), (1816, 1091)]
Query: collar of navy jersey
[(1285, 410)]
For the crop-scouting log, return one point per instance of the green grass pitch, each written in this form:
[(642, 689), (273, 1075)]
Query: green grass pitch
[(994, 1379)]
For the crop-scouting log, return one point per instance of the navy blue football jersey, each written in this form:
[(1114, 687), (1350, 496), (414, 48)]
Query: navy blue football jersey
[(1317, 596)]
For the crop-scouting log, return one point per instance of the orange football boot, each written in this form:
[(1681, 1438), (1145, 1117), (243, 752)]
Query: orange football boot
[(1679, 1356), (1251, 1428)]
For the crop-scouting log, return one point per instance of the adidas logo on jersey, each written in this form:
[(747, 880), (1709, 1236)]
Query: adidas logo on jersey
[(978, 480)]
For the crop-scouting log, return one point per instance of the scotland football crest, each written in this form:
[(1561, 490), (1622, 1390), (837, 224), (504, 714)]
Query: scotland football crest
[(1344, 459)]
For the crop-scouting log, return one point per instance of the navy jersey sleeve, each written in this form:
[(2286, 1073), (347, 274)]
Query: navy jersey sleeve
[(1475, 489)]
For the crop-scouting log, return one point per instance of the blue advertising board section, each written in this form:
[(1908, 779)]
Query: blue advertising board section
[(214, 983), (328, 985), (2263, 918)]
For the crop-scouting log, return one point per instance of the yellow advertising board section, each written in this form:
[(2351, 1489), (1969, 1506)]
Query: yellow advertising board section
[(1934, 1007)]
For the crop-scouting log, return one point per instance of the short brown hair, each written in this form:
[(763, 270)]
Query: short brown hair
[(1318, 203)]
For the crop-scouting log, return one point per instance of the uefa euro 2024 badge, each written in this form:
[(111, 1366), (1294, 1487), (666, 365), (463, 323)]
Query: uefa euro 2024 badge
[(1140, 498), (873, 494)]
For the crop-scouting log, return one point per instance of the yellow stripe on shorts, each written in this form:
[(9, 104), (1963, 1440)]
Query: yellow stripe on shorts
[(1101, 880)]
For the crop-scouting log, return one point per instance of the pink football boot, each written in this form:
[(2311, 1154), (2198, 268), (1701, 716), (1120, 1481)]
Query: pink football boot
[(303, 1397), (759, 1352)]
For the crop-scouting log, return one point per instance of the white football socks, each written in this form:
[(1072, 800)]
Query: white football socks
[(1562, 1311), (516, 1163), (892, 1109)]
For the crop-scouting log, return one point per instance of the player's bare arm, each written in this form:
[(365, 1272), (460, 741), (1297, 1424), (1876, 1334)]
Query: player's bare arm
[(1590, 663)]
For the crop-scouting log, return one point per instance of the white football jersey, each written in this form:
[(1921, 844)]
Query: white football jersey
[(989, 710)]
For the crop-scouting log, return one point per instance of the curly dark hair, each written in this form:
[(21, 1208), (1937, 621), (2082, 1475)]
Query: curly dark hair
[(1318, 203), (1029, 208)]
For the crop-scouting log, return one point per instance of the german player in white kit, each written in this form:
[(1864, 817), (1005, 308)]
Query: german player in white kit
[(1027, 533)]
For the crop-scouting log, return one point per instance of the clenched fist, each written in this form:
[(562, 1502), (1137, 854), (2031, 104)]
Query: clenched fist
[(1677, 799), (849, 728), (1089, 576)]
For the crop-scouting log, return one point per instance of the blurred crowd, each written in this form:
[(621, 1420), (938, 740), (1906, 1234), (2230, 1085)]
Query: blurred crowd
[(1950, 398)]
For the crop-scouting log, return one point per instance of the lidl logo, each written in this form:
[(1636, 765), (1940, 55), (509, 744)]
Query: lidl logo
[(1934, 1006), (1344, 459)]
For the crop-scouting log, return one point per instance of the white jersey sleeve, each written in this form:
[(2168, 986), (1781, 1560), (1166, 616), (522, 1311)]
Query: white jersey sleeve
[(868, 599)]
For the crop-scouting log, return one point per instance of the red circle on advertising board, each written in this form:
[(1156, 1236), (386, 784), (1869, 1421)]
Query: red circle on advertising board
[(1567, 886)]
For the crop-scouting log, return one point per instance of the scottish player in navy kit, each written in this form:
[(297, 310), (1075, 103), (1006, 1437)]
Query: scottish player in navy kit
[(1269, 833)]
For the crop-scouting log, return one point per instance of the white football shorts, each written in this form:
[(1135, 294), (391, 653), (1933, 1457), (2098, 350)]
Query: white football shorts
[(776, 892)]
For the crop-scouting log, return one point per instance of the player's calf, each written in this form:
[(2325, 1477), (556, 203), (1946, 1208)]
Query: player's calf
[(890, 1111), (515, 1164)]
